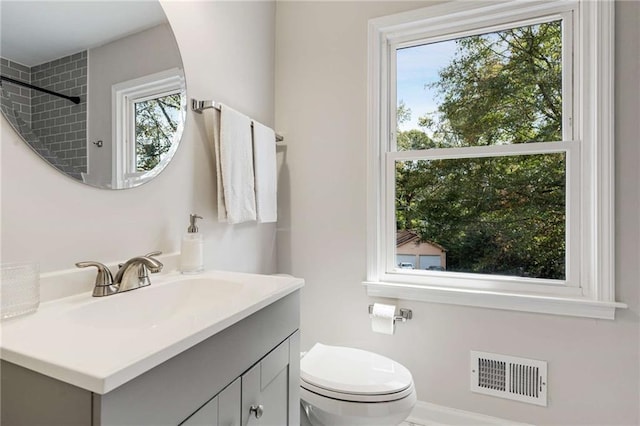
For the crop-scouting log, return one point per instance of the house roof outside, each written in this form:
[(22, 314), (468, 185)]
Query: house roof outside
[(406, 236)]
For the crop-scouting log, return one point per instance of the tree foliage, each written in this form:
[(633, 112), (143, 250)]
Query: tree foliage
[(503, 214), (156, 124)]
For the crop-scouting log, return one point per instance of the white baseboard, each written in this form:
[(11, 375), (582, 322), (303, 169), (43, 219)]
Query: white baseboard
[(428, 414)]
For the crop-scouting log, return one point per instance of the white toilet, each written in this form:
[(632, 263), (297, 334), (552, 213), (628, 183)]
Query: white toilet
[(350, 387)]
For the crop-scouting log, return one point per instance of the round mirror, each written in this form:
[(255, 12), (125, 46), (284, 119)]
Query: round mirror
[(95, 88)]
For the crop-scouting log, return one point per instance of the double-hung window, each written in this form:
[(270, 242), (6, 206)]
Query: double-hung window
[(491, 156)]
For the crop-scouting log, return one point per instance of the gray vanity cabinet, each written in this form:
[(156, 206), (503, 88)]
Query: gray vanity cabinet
[(270, 389), (254, 362), (263, 395), (266, 395), (223, 410)]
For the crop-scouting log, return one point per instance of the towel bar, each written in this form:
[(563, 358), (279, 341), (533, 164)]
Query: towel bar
[(199, 106)]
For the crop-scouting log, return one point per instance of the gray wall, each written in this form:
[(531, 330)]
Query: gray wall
[(321, 104), (60, 124)]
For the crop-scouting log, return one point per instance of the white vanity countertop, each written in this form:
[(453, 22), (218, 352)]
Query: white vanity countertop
[(100, 343)]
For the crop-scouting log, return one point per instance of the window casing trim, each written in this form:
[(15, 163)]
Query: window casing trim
[(592, 126), (536, 303)]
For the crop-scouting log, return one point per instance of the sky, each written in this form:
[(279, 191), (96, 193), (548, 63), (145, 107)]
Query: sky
[(416, 67)]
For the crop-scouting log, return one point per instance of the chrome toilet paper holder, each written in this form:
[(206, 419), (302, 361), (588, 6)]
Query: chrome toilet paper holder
[(404, 314)]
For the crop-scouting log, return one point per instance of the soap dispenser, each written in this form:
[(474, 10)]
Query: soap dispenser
[(192, 253)]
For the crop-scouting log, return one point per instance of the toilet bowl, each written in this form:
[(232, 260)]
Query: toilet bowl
[(342, 386)]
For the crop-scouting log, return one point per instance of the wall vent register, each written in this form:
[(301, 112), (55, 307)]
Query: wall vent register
[(520, 379)]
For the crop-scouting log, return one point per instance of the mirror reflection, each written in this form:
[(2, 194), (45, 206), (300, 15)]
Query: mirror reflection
[(96, 88)]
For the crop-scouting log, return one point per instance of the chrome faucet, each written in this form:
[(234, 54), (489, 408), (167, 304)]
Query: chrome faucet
[(132, 274)]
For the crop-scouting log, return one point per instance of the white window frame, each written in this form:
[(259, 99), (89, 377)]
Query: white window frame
[(588, 290), (124, 97)]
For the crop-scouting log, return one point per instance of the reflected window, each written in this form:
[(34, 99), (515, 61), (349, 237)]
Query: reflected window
[(149, 115)]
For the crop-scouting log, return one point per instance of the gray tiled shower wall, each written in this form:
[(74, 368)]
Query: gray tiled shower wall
[(60, 125), (20, 96)]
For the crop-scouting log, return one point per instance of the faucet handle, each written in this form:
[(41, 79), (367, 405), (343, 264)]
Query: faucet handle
[(143, 270), (104, 279), (104, 276)]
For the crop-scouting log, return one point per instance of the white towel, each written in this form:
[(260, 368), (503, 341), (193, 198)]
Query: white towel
[(236, 166), (212, 124), (265, 170)]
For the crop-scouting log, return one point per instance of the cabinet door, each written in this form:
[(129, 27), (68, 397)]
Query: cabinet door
[(265, 390), (229, 405), (223, 410), (207, 415)]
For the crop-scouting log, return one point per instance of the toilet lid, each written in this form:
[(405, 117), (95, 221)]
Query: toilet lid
[(353, 371)]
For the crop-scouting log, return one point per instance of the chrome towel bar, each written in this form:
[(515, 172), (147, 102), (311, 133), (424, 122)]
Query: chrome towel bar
[(199, 106)]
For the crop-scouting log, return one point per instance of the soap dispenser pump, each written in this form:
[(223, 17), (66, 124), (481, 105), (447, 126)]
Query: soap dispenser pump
[(192, 252)]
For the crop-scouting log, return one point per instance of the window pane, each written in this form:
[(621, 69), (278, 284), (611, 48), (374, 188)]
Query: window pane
[(492, 89), (156, 124), (492, 215)]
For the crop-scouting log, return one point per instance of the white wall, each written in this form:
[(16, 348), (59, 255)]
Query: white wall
[(228, 54), (130, 57), (321, 102)]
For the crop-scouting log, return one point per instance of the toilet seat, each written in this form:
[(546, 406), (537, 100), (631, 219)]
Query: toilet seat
[(354, 375), (354, 397)]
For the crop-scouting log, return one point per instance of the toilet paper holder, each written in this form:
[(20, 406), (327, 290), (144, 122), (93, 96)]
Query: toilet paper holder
[(404, 314)]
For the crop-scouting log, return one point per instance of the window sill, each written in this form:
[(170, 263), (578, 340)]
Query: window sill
[(576, 307)]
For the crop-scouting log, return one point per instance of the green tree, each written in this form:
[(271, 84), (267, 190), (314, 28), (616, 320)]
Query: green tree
[(502, 88), (503, 215), (156, 124)]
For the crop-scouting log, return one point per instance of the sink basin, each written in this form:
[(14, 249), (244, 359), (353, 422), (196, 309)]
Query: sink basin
[(99, 343), (148, 306)]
